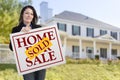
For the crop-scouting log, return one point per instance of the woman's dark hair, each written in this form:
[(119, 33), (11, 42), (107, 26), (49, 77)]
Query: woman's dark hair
[(35, 17)]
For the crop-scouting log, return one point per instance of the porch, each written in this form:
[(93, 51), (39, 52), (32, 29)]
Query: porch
[(106, 47)]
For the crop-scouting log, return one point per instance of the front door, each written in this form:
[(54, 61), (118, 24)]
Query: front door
[(75, 50), (103, 53), (114, 53)]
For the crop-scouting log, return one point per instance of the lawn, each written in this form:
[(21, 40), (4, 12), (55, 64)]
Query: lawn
[(72, 70)]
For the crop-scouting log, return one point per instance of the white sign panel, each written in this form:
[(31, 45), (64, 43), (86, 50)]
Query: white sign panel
[(38, 49)]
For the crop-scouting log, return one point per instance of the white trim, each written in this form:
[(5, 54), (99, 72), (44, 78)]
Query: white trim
[(65, 44), (109, 52), (80, 48), (94, 48), (107, 37)]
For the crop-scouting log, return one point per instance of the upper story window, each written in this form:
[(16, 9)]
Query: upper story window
[(61, 26), (75, 30), (114, 34), (90, 32), (103, 32)]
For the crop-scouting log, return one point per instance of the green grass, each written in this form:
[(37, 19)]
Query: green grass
[(7, 66), (84, 72), (9, 72), (73, 70)]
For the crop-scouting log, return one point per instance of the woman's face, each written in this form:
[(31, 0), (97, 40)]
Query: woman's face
[(28, 16)]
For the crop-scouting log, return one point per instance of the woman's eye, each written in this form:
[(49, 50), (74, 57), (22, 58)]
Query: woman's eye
[(26, 13), (31, 13)]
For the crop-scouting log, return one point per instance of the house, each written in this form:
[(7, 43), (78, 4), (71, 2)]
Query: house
[(84, 37)]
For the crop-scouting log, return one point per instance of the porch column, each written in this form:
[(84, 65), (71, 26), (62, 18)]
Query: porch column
[(80, 48), (64, 47), (94, 45), (118, 52), (118, 36), (110, 48)]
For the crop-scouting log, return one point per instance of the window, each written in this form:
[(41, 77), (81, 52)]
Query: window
[(90, 32), (103, 52), (61, 26), (103, 32), (75, 30), (89, 50), (114, 34), (75, 50), (114, 52)]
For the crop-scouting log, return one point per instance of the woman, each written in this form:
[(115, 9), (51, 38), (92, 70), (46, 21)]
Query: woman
[(27, 21)]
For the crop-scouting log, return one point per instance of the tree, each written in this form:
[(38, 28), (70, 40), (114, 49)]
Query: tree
[(9, 15)]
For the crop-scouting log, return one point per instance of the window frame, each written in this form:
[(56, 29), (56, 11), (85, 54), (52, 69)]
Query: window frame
[(74, 32), (114, 35), (90, 30), (65, 26), (103, 32)]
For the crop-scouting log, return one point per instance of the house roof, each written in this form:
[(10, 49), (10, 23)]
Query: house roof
[(72, 16)]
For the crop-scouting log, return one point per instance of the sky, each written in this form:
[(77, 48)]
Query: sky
[(107, 11)]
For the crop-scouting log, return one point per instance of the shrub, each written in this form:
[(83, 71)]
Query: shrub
[(97, 57), (118, 57), (81, 61)]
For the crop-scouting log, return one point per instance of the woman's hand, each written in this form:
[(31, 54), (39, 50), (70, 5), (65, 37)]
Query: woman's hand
[(26, 29)]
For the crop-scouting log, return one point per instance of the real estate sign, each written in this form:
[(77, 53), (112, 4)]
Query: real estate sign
[(38, 49)]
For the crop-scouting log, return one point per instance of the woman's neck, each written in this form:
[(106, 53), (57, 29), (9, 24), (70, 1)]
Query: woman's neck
[(27, 24)]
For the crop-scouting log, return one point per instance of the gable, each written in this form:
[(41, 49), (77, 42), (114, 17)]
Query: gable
[(107, 37)]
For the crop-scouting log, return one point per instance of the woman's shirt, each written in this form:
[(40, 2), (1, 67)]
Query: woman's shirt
[(18, 29)]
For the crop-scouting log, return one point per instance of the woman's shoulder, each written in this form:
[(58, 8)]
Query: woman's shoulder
[(15, 29), (37, 26)]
